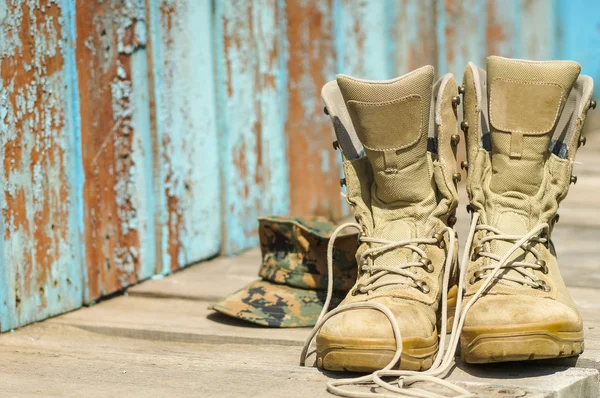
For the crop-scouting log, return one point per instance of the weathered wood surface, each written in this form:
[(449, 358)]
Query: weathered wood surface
[(39, 360), (40, 259), (184, 148)]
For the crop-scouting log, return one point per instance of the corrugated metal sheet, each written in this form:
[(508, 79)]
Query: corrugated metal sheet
[(118, 214), (314, 173), (251, 91), (41, 267), (140, 136), (187, 195)]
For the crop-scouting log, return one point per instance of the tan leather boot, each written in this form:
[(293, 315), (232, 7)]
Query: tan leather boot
[(523, 121), (398, 150)]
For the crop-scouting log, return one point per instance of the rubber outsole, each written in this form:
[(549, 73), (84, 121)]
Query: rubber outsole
[(519, 343), (368, 355)]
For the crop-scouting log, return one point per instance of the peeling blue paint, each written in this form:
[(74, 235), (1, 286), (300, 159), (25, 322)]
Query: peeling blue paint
[(249, 84), (363, 42), (73, 126), (188, 186), (40, 247), (143, 161)]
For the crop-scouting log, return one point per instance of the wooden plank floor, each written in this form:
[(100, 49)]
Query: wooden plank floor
[(160, 339)]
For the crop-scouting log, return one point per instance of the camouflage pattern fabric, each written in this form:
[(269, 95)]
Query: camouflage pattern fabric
[(294, 273)]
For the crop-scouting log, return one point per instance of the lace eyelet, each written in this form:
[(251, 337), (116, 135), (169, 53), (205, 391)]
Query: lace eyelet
[(476, 251), (422, 285), (476, 276), (440, 240), (427, 264), (544, 286), (543, 266)]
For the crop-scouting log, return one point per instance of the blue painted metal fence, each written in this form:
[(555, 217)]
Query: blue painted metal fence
[(139, 137)]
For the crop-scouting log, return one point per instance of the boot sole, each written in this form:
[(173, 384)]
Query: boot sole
[(368, 355), (520, 343)]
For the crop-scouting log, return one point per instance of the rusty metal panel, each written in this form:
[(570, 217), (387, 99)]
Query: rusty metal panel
[(314, 170), (118, 209), (503, 29), (538, 29), (186, 134), (252, 106), (415, 35), (364, 38), (461, 34), (41, 269)]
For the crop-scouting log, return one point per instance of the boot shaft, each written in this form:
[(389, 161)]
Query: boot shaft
[(398, 142), (523, 122)]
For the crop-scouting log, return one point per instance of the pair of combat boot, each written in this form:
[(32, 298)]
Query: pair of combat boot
[(398, 138)]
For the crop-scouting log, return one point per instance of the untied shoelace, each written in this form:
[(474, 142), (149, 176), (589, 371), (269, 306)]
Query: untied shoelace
[(444, 358)]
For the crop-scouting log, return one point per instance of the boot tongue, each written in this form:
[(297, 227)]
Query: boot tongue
[(526, 100), (391, 119)]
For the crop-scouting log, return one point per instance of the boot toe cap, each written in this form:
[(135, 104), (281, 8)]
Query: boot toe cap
[(414, 320), (507, 310)]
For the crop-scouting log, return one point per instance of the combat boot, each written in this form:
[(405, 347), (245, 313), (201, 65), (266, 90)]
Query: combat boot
[(398, 142), (523, 121)]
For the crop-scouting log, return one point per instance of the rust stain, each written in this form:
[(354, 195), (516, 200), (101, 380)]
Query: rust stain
[(107, 36), (452, 11), (155, 145), (313, 179), (494, 32), (36, 189), (226, 49), (168, 15)]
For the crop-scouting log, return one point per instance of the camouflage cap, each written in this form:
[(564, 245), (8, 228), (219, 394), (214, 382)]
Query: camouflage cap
[(293, 287)]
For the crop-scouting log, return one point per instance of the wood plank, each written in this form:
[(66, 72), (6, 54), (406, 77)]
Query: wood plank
[(39, 360), (188, 188), (116, 146), (251, 86), (314, 167), (40, 275), (209, 281), (60, 360), (175, 320)]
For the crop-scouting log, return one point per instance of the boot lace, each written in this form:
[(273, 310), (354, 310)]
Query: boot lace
[(444, 358), (375, 279), (524, 276)]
